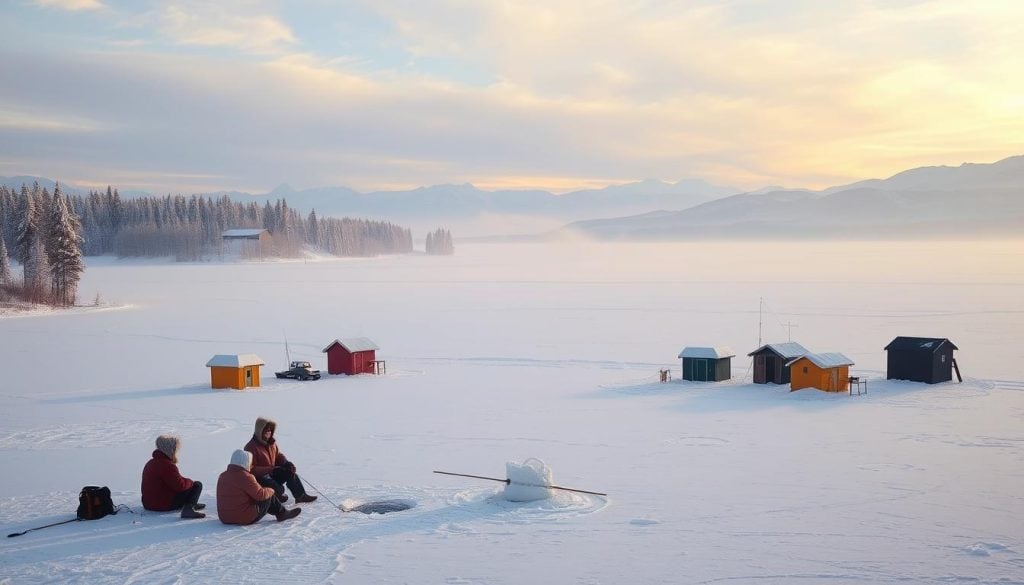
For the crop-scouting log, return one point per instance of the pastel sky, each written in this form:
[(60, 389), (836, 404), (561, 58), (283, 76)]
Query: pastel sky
[(181, 96)]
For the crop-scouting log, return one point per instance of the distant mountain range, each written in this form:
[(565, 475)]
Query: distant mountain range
[(968, 200), (461, 204), (456, 201), (927, 202)]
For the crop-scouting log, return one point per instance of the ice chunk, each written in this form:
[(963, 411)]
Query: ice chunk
[(527, 481)]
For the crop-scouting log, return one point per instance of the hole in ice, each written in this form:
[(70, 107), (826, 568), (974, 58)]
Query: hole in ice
[(380, 506)]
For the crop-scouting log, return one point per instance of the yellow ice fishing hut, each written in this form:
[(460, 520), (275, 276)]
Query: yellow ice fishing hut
[(239, 371)]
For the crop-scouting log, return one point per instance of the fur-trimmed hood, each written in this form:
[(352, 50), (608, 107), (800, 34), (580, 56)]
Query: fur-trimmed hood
[(169, 445), (261, 424)]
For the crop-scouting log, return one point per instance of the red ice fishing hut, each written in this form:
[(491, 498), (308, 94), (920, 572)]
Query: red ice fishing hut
[(352, 356)]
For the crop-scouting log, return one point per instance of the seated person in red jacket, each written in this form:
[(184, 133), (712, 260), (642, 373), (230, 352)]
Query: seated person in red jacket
[(163, 487), (240, 500), (271, 467)]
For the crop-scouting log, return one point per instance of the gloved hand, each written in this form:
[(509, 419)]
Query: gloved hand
[(290, 466), (283, 471)]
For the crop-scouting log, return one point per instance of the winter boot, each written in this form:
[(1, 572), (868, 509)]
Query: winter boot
[(199, 507), (287, 514), (282, 497), (191, 513), (304, 499)]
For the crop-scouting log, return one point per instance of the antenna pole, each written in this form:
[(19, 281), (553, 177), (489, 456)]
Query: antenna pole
[(760, 309)]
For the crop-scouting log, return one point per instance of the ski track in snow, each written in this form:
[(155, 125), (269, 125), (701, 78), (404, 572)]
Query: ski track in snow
[(151, 547), (109, 433)]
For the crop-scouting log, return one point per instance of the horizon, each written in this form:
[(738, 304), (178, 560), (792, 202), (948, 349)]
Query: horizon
[(102, 186), (188, 97)]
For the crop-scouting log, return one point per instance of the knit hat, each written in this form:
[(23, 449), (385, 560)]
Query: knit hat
[(168, 445), (242, 459)]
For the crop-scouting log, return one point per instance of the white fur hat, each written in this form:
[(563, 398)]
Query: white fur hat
[(169, 445), (242, 459)]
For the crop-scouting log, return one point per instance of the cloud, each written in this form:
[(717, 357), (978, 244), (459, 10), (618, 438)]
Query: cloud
[(739, 92), (72, 5), (224, 25)]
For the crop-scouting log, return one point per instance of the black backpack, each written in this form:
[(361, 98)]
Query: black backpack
[(94, 502)]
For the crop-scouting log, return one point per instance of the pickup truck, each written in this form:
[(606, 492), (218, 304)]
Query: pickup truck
[(299, 371)]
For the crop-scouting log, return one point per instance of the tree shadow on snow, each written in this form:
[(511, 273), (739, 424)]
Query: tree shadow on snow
[(133, 394), (743, 395), (105, 536)]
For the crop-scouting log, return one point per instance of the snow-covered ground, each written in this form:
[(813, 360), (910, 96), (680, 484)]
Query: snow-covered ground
[(506, 352)]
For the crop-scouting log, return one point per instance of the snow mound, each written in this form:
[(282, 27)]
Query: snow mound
[(528, 481)]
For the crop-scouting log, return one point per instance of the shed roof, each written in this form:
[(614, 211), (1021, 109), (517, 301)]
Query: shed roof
[(242, 232), (353, 344), (234, 361), (824, 360), (788, 350), (714, 353), (931, 344)]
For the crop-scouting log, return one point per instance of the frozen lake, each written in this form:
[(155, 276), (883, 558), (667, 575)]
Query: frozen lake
[(505, 352)]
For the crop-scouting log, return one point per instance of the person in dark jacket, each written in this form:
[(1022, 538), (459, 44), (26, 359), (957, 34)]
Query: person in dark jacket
[(163, 487), (271, 467), (240, 500)]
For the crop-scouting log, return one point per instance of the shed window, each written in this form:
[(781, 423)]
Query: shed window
[(805, 369), (943, 359)]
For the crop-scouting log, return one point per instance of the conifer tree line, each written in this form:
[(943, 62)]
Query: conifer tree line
[(439, 242), (188, 228), (43, 233)]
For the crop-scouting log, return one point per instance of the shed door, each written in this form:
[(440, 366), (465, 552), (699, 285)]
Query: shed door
[(702, 370), (759, 373), (248, 376), (833, 379)]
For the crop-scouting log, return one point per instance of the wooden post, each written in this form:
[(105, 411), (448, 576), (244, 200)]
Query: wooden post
[(957, 368)]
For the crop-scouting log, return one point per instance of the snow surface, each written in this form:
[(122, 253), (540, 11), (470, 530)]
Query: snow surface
[(505, 352)]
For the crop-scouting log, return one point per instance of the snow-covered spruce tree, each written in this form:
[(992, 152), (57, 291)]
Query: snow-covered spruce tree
[(37, 273), (64, 251), (27, 231), (5, 265)]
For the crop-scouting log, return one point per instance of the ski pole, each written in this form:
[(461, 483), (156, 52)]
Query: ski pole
[(318, 491), (507, 481), (41, 527)]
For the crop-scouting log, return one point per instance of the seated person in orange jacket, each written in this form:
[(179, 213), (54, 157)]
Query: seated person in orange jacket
[(271, 467), (163, 487), (240, 500)]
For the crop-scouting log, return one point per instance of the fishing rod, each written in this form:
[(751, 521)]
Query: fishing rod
[(507, 481)]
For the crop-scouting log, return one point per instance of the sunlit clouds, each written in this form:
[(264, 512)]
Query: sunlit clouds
[(554, 95)]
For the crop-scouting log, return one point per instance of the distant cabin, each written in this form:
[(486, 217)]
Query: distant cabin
[(707, 364), (825, 371), (920, 359), (770, 361), (356, 355), (246, 241), (235, 371)]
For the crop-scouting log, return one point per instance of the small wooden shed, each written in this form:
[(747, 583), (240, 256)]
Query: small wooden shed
[(245, 241), (920, 359), (351, 356), (235, 371), (707, 364), (770, 361), (825, 371)]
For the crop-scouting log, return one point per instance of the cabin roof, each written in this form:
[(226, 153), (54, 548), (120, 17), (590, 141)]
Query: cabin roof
[(930, 344), (234, 360), (242, 232), (788, 350), (716, 353), (824, 360), (353, 344)]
